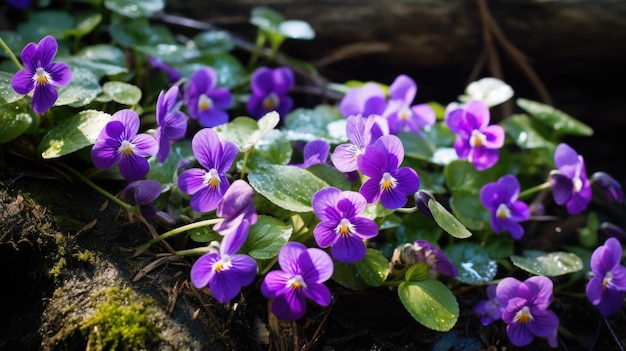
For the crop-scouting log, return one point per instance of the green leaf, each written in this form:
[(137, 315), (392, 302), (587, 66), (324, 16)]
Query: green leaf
[(86, 22), (245, 132), (136, 8), (266, 18), (99, 69), (170, 53), (73, 133), (165, 173), (418, 271), (6, 89), (123, 93), (286, 186), (469, 210), (447, 221), (331, 176), (266, 237), (204, 235), (296, 29), (430, 302), (102, 60), (13, 122), (14, 41), (214, 41), (553, 118), (548, 264), (527, 133), (474, 264), (373, 268), (416, 146), (322, 122), (462, 176), (273, 148), (347, 276), (47, 22), (139, 32), (83, 89), (499, 246)]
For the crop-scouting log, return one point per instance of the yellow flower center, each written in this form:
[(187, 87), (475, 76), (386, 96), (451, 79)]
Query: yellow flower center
[(405, 113), (503, 212), (344, 227), (523, 315), (296, 283), (126, 148), (477, 139), (223, 264), (387, 182), (212, 178), (271, 102), (41, 77), (204, 103)]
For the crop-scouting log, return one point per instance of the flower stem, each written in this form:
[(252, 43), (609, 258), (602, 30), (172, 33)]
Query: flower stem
[(107, 194), (533, 190), (11, 55), (194, 251), (183, 229), (245, 161)]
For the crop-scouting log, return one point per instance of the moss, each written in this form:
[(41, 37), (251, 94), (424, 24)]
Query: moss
[(119, 322), (86, 256), (55, 271)]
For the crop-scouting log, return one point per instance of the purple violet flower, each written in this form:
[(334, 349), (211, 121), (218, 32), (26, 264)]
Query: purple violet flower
[(611, 187), (269, 91), (142, 193), (315, 152), (386, 181), (360, 132), (341, 226), (205, 102), (526, 310), (425, 251), (303, 272), (607, 286), (19, 4), (207, 186), (399, 112), (172, 124), (476, 140), (41, 74), (236, 206), (118, 142), (500, 199), (366, 100), (570, 185), (172, 74), (225, 272), (490, 309)]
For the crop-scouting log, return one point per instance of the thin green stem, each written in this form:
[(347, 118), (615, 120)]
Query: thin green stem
[(110, 196), (194, 251), (407, 209), (533, 190), (269, 266), (183, 229), (245, 161), (11, 55)]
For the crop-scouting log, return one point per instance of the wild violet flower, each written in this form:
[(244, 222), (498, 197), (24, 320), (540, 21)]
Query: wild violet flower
[(172, 74), (269, 91), (236, 207), (315, 152), (500, 199), (607, 286), (399, 112), (526, 310), (41, 74), (361, 131), (570, 185), (142, 193), (490, 309), (118, 142), (341, 226), (476, 140), (205, 101), (611, 187), (226, 271), (425, 251), (386, 181), (207, 186), (172, 124), (366, 100), (302, 275)]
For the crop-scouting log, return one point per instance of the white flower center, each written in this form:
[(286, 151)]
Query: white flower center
[(41, 77), (388, 182), (405, 113), (296, 283), (578, 184), (271, 101), (211, 178), (523, 315), (126, 148), (477, 139), (606, 282), (204, 103), (344, 227), (503, 212), (223, 264)]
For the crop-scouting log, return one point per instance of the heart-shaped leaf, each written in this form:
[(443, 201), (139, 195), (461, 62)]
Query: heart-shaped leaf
[(73, 133), (373, 268), (266, 237), (548, 264), (430, 302)]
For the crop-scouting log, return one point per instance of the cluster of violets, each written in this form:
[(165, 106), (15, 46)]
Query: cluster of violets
[(373, 154)]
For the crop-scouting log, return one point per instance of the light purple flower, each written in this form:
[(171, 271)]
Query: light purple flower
[(607, 286), (366, 100), (476, 140), (142, 193), (315, 152), (360, 132), (500, 199), (172, 124), (341, 225), (236, 207), (490, 309), (425, 251), (570, 185), (118, 142), (205, 102), (269, 91), (526, 310), (207, 186), (41, 74), (399, 112), (386, 181), (611, 187), (303, 272), (225, 272), (172, 74)]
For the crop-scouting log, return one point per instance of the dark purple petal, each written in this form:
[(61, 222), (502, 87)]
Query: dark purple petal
[(245, 267), (29, 58), (507, 290), (212, 118), (46, 50), (203, 80), (544, 322), (364, 228), (289, 306), (519, 211), (323, 199), (282, 80), (262, 82), (202, 270), (146, 191), (23, 82), (371, 190), (233, 242), (407, 181), (255, 107), (540, 291), (192, 180), (403, 88), (288, 257), (494, 136), (566, 159), (172, 74), (611, 303), (490, 196), (206, 199), (19, 4), (104, 155), (455, 120), (479, 111), (421, 200), (462, 148), (519, 334), (319, 293), (275, 284), (348, 249), (393, 199), (164, 145), (317, 149), (611, 187), (579, 201), (374, 162), (562, 187), (394, 146), (60, 74), (594, 289), (225, 285), (206, 146), (133, 167), (324, 233), (222, 98), (323, 266), (483, 158), (44, 97), (237, 200), (145, 145), (130, 121)]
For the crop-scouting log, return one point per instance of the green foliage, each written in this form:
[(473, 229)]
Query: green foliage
[(430, 302), (548, 264), (73, 134), (266, 237)]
